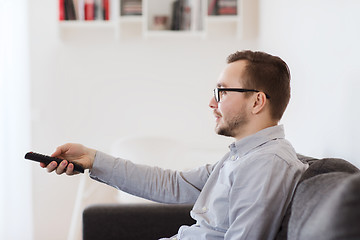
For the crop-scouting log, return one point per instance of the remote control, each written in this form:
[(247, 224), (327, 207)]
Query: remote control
[(47, 159)]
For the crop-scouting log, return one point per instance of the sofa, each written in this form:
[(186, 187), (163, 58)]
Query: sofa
[(325, 206)]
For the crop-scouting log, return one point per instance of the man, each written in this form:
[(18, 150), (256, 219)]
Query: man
[(246, 193)]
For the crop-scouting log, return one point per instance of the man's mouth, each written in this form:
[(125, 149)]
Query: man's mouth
[(217, 116)]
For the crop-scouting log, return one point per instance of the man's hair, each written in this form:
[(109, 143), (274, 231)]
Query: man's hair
[(269, 74)]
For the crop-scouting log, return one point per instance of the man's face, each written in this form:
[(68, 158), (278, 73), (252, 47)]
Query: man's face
[(232, 113)]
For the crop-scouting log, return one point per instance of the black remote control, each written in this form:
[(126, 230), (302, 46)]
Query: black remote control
[(47, 159)]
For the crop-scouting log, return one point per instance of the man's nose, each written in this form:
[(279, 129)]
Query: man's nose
[(213, 103)]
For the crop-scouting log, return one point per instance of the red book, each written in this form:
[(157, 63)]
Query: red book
[(61, 10), (89, 9), (106, 9), (212, 7), (227, 11)]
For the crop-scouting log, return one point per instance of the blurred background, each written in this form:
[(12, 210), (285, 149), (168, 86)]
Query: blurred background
[(123, 90)]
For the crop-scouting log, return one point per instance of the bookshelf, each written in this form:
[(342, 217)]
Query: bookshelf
[(153, 18)]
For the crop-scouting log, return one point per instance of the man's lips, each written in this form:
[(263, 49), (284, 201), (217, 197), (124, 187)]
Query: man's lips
[(217, 115)]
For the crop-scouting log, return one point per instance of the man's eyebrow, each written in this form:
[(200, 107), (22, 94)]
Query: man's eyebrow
[(219, 85)]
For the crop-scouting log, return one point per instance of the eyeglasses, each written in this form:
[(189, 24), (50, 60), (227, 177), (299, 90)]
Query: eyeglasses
[(217, 92)]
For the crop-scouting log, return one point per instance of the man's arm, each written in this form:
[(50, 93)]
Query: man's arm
[(148, 182), (153, 183)]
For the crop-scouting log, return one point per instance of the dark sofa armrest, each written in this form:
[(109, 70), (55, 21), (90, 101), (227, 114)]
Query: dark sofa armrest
[(134, 221)]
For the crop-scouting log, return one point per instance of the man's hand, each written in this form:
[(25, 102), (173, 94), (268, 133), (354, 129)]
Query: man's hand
[(71, 152)]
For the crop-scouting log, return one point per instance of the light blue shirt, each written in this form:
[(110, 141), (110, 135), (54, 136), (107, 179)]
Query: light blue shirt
[(243, 196)]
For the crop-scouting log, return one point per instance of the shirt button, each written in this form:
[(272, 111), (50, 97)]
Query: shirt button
[(233, 157), (204, 209)]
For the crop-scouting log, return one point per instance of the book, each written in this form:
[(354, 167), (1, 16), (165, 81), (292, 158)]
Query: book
[(212, 7), (131, 7), (84, 10), (61, 10), (222, 7), (98, 13), (69, 10), (106, 9), (80, 9), (89, 10), (76, 8), (186, 16), (175, 20), (227, 7)]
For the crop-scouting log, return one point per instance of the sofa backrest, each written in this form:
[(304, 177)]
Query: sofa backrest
[(320, 186), (326, 207)]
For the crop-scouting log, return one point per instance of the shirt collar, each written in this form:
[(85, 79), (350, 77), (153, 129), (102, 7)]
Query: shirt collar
[(248, 143)]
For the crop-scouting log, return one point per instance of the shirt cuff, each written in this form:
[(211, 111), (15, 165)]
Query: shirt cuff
[(102, 167)]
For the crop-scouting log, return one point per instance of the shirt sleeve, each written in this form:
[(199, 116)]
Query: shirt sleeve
[(153, 183), (258, 199)]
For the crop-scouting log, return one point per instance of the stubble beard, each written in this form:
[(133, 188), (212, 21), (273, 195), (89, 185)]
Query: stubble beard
[(231, 127)]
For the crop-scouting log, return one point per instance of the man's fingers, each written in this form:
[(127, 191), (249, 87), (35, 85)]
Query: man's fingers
[(70, 170), (62, 167), (51, 166)]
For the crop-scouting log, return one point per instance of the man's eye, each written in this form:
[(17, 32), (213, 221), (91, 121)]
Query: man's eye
[(223, 92)]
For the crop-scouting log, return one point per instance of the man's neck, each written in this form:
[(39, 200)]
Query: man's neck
[(253, 128)]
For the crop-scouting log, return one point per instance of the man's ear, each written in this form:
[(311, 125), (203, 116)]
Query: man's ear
[(259, 102)]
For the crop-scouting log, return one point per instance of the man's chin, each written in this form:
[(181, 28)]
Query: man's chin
[(223, 132)]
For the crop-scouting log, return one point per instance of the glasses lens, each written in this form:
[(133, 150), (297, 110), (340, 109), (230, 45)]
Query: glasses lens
[(216, 94)]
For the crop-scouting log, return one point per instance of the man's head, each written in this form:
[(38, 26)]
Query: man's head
[(259, 94), (269, 74)]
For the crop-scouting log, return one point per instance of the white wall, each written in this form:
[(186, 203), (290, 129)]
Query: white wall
[(15, 178), (98, 90), (320, 41)]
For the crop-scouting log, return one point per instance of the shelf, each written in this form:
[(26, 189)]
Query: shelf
[(131, 19), (194, 13), (85, 24), (225, 19), (174, 34)]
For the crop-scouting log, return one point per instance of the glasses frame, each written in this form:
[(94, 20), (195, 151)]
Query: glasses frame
[(218, 90)]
